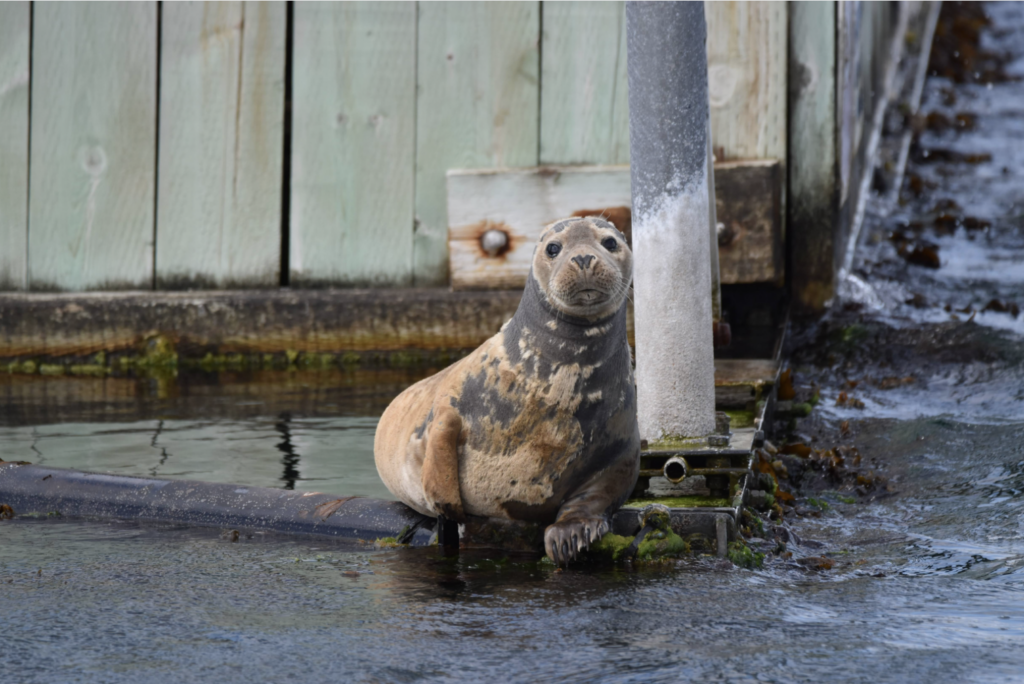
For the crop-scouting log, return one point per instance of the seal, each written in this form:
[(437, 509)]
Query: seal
[(538, 424)]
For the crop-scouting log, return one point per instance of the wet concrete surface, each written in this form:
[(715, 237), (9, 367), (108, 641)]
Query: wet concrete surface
[(927, 566)]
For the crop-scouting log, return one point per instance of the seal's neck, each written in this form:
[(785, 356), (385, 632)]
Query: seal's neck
[(558, 337)]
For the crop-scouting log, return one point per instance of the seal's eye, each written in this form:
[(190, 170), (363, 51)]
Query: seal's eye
[(553, 249), (611, 244)]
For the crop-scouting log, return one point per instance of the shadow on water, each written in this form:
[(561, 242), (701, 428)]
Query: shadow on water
[(927, 580)]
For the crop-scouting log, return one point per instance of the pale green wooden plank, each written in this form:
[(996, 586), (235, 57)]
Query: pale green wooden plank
[(221, 139), (353, 143), (14, 86), (747, 45), (477, 96), (93, 146), (584, 106)]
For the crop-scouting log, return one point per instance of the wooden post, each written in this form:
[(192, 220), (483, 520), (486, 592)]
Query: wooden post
[(668, 130), (812, 152)]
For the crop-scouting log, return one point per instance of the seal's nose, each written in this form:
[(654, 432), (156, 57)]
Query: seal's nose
[(583, 261)]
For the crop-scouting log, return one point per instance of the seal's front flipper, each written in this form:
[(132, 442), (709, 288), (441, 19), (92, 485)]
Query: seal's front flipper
[(584, 517), (564, 539), (441, 465)]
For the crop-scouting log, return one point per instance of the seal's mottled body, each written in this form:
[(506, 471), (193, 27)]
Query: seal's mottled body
[(538, 424)]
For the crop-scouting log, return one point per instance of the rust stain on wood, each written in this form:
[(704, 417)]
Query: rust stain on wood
[(478, 230)]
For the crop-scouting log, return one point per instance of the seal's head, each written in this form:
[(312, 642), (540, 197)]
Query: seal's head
[(583, 267)]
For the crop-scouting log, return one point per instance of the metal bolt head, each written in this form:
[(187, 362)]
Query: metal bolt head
[(494, 241)]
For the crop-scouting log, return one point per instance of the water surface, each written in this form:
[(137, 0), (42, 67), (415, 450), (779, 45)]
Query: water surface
[(928, 582)]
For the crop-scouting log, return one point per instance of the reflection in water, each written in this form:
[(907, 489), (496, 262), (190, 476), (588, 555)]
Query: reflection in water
[(290, 458)]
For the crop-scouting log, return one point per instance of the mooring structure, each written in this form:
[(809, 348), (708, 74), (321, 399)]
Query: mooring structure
[(736, 153)]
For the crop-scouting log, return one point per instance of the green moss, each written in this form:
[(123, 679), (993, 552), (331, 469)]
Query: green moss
[(662, 545), (28, 367), (387, 543), (677, 442), (656, 546), (51, 369), (853, 334), (351, 359), (158, 354), (820, 504), (754, 521), (93, 369), (743, 556), (680, 502), (291, 355), (401, 359), (313, 361), (802, 410), (740, 419)]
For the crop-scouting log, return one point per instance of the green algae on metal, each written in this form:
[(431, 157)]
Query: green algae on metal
[(741, 419)]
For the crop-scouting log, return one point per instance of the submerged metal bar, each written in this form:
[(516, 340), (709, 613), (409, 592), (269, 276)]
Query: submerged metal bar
[(668, 137), (37, 490)]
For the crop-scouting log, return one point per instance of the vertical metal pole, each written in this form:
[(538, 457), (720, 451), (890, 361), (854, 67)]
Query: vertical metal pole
[(716, 278), (668, 132)]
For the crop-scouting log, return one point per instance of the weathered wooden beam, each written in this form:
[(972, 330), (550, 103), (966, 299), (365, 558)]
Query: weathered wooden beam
[(813, 189), (46, 327), (247, 322), (521, 202)]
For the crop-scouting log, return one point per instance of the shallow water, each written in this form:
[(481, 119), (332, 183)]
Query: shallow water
[(928, 580)]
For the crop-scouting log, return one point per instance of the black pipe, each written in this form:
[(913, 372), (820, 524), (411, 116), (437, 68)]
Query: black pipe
[(38, 490)]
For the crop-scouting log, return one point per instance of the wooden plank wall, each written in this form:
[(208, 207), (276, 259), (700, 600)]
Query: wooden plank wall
[(168, 170), (93, 158), (747, 45), (221, 136), (14, 85), (477, 99), (353, 143), (584, 109)]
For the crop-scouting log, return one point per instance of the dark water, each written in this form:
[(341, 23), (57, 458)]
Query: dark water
[(928, 582)]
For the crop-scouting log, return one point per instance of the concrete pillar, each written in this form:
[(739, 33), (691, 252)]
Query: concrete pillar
[(668, 135)]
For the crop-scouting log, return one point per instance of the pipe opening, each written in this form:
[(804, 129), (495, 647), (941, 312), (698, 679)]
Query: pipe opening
[(675, 470)]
